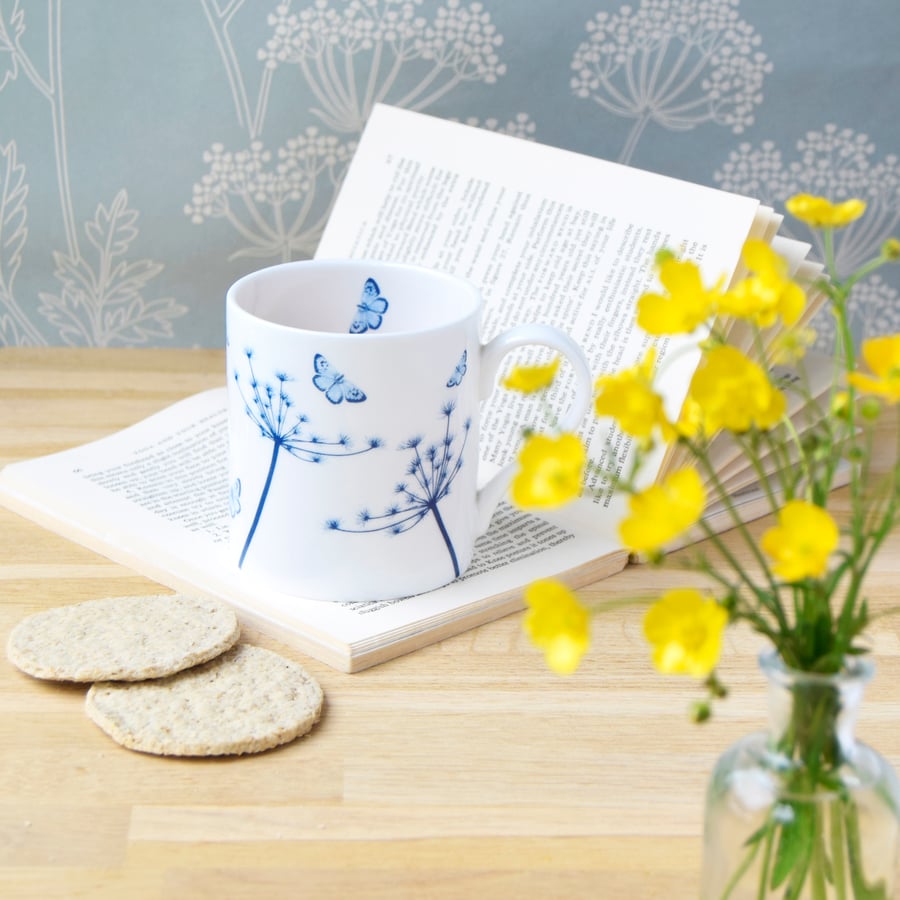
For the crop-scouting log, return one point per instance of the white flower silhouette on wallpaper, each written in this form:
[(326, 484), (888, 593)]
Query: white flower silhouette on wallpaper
[(521, 126), (836, 163), (677, 64), (101, 299), (278, 203), (351, 55)]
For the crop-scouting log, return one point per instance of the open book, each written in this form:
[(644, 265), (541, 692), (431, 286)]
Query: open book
[(549, 236)]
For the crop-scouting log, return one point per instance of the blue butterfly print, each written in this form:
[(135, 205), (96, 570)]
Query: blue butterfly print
[(234, 500), (460, 370), (370, 310), (333, 384)]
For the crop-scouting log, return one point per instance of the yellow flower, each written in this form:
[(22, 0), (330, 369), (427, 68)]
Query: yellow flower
[(551, 470), (791, 346), (686, 304), (557, 623), (690, 420), (734, 392), (628, 397), (663, 511), (882, 355), (768, 292), (529, 379), (685, 629), (801, 542), (820, 212)]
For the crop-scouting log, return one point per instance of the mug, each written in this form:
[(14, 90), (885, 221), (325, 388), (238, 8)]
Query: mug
[(353, 422)]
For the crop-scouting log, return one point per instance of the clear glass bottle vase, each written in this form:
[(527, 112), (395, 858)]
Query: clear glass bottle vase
[(803, 810)]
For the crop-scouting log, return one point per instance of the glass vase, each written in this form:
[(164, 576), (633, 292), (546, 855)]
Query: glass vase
[(803, 810)]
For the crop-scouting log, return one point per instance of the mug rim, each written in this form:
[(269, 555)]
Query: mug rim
[(233, 304)]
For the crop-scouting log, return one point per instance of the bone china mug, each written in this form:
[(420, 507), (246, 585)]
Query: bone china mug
[(353, 422)]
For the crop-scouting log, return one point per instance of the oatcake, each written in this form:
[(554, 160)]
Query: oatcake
[(122, 638), (244, 701)]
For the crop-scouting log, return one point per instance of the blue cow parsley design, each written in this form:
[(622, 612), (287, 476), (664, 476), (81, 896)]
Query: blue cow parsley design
[(430, 475), (272, 410)]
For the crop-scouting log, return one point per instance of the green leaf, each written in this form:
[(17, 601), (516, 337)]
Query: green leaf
[(758, 835), (795, 843)]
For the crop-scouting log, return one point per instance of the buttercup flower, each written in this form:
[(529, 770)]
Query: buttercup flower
[(685, 629), (628, 397), (768, 292), (551, 470), (686, 304), (529, 379), (734, 392), (791, 346), (663, 511), (690, 420), (820, 212), (801, 542), (882, 356), (557, 623)]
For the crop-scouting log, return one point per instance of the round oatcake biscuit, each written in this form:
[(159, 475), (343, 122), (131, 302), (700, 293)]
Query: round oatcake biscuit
[(122, 638), (244, 701)]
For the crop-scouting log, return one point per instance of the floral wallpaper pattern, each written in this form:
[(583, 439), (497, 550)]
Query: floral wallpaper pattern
[(152, 153)]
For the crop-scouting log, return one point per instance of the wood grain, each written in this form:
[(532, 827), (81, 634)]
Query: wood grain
[(465, 769)]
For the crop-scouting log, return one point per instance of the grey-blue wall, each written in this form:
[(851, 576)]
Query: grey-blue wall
[(150, 153)]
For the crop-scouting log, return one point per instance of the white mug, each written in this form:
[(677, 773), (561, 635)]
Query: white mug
[(353, 422)]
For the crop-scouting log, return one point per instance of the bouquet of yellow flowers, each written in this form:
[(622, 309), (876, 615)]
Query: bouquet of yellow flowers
[(805, 591)]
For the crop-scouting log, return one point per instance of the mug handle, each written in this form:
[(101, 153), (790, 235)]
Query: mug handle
[(492, 354)]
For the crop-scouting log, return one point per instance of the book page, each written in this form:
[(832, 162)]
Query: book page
[(548, 236)]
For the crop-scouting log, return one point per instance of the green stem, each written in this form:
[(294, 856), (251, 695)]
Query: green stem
[(863, 271), (741, 870), (819, 861), (753, 617), (837, 853), (741, 526), (767, 862)]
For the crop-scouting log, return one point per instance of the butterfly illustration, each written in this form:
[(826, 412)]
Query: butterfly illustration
[(370, 310), (234, 500), (333, 384), (460, 370)]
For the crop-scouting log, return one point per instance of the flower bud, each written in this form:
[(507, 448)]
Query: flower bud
[(701, 711), (870, 409), (715, 687), (890, 249), (663, 255), (840, 405)]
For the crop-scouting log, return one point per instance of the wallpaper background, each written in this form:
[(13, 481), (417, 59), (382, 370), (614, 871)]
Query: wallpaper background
[(151, 153)]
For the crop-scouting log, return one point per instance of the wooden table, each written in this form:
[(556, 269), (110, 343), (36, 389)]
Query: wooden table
[(463, 770)]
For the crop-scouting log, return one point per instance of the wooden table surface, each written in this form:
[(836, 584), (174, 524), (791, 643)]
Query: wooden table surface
[(463, 770)]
